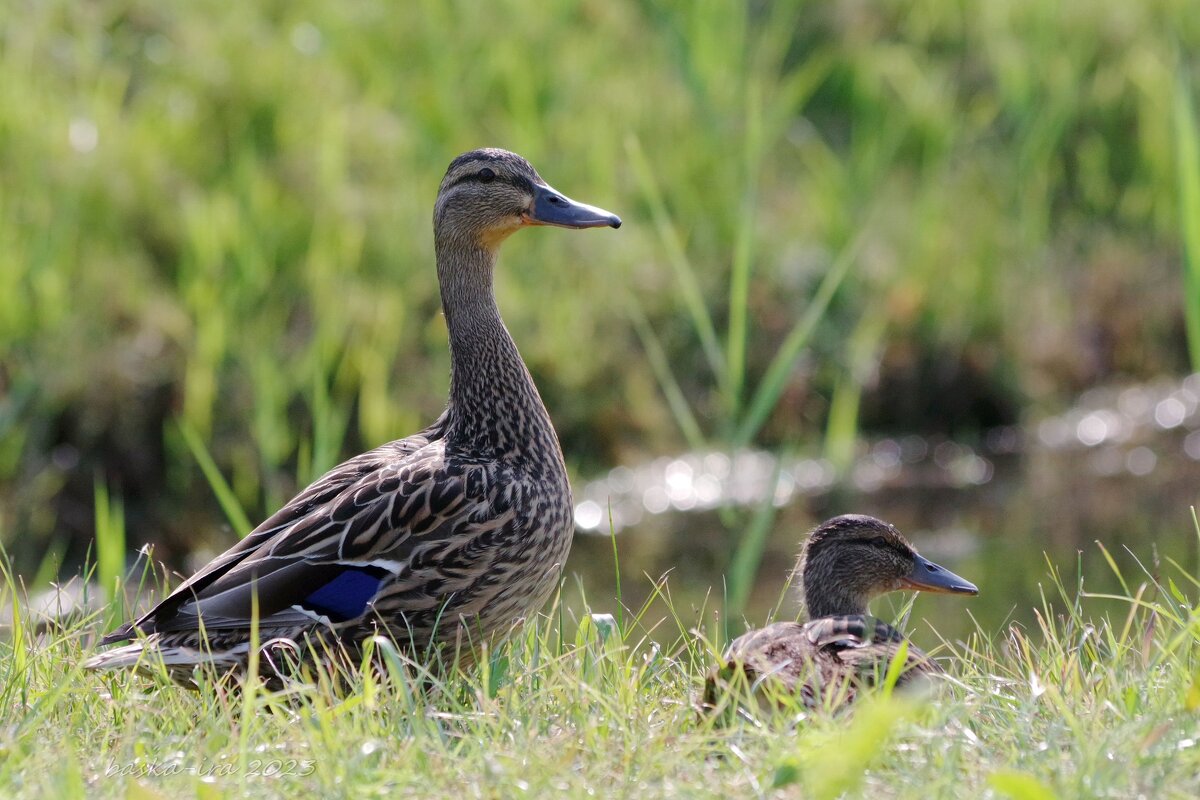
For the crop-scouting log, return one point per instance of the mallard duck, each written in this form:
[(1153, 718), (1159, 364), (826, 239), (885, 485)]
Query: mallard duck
[(458, 531), (845, 562)]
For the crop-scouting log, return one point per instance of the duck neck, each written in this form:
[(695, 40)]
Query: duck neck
[(827, 605), (494, 407), (831, 598)]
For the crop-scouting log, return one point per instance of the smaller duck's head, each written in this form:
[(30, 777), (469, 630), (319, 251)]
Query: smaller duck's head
[(848, 560), (488, 194)]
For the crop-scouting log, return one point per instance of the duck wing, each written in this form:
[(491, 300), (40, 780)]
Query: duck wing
[(851, 631), (325, 555), (830, 654), (865, 647)]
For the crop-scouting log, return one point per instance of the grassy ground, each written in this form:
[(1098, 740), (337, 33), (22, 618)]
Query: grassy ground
[(1078, 706)]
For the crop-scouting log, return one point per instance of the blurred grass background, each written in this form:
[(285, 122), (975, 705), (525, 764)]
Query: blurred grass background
[(215, 235)]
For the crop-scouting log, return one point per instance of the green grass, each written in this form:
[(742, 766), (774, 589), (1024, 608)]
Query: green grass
[(1084, 704), (813, 194), (1187, 144)]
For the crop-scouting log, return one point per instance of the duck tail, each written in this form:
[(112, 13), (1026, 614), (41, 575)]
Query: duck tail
[(150, 652), (127, 656)]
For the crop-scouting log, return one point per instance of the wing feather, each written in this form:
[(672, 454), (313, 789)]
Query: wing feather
[(374, 509), (828, 654)]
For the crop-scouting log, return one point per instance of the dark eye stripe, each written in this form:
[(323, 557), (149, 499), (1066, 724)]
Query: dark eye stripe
[(519, 181), (877, 541), (470, 177), (476, 177)]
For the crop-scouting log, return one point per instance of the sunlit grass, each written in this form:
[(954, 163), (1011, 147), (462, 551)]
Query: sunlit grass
[(1080, 705), (1187, 148)]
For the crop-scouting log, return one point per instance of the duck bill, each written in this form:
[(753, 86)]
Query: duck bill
[(930, 577), (552, 208)]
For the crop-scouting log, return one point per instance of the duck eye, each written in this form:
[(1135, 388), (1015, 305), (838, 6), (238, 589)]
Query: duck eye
[(486, 175), (879, 541)]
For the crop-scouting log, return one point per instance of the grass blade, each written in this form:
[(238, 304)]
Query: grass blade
[(1187, 149), (775, 378), (743, 253), (660, 364), (225, 496), (693, 297), (110, 539), (748, 555)]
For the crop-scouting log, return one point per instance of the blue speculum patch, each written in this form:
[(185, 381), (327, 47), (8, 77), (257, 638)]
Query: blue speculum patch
[(347, 595)]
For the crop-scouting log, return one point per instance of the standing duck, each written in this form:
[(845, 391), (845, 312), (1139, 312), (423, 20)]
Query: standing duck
[(451, 535), (845, 562)]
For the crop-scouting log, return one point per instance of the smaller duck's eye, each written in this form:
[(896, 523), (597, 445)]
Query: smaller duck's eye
[(879, 541), (486, 175)]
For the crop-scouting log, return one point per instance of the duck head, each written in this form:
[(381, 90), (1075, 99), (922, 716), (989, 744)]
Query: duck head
[(489, 194), (848, 560)]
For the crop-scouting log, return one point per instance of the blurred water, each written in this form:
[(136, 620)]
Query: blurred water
[(1121, 467)]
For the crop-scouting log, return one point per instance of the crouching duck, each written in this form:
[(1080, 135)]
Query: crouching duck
[(845, 562), (459, 531)]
